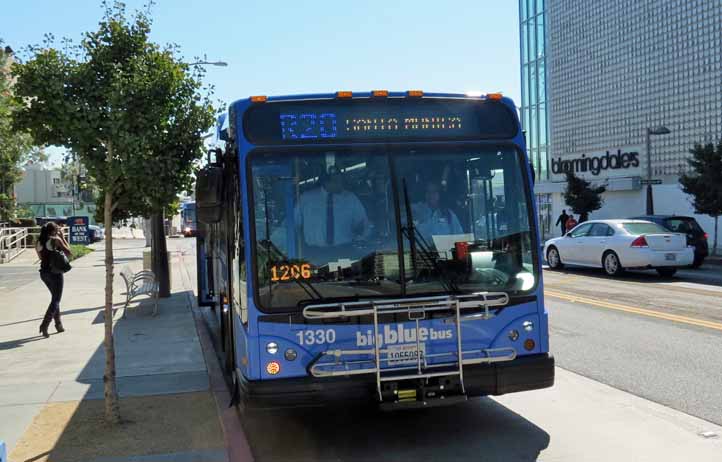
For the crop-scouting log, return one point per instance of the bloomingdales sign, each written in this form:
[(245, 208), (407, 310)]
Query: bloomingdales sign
[(612, 163)]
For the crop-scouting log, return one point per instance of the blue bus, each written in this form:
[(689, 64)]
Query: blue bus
[(188, 219), (373, 247)]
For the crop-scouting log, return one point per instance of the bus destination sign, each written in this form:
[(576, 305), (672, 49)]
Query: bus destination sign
[(370, 120)]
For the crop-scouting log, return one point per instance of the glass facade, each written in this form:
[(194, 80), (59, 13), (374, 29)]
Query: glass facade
[(533, 83)]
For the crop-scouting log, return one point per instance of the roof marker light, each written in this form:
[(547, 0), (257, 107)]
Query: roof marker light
[(259, 99), (414, 93), (494, 96), (344, 94), (380, 93)]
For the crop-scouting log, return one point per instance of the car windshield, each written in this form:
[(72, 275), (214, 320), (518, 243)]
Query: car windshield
[(644, 228), (328, 224)]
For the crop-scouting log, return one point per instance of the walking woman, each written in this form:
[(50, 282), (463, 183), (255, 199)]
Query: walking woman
[(51, 239)]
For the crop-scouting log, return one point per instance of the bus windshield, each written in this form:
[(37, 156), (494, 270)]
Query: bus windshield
[(335, 224)]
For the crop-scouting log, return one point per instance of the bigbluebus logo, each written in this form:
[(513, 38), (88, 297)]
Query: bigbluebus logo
[(399, 334), (596, 164)]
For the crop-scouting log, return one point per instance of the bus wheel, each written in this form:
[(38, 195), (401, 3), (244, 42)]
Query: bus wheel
[(553, 259)]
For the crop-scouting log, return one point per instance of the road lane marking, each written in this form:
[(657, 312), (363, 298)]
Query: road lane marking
[(692, 287), (631, 286), (635, 310)]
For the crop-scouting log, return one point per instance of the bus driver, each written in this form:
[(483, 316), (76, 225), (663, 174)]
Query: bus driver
[(330, 215)]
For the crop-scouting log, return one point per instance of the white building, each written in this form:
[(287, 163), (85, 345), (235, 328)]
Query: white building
[(43, 191), (596, 76)]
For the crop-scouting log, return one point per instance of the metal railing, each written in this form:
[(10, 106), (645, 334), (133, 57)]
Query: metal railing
[(375, 360), (15, 240), (12, 243)]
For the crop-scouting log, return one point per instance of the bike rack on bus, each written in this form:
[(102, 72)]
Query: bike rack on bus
[(463, 308)]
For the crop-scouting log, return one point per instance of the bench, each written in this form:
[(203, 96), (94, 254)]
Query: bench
[(137, 284)]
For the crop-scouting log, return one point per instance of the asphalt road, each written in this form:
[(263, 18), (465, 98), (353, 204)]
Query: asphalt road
[(658, 339)]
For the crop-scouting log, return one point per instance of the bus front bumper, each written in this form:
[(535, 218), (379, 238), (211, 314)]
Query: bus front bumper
[(530, 372)]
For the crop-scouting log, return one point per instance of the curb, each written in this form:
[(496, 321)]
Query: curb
[(237, 445)]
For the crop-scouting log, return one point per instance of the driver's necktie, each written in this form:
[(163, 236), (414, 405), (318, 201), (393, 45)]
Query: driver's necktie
[(329, 219)]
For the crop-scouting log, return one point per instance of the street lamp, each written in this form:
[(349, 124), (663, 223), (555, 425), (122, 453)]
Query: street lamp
[(661, 130), (205, 62), (209, 63)]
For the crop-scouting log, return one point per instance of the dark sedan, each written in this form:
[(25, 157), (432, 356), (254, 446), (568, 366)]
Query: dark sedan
[(686, 225)]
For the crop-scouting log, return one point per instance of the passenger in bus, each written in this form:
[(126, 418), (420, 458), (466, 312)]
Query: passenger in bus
[(432, 218), (330, 215)]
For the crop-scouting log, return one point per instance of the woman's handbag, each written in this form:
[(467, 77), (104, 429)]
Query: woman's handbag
[(59, 262)]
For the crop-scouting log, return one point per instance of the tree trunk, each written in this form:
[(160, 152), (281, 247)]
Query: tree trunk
[(159, 255), (112, 409)]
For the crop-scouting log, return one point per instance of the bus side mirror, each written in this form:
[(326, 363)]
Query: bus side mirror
[(209, 195)]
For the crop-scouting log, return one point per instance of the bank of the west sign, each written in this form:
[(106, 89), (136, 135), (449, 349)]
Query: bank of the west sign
[(610, 163)]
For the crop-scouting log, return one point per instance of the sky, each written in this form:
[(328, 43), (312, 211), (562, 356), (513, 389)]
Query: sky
[(306, 46)]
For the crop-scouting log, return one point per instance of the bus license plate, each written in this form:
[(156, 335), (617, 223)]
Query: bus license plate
[(670, 257), (404, 354)]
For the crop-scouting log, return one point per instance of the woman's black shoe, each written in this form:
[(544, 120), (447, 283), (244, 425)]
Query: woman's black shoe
[(44, 330), (59, 328)]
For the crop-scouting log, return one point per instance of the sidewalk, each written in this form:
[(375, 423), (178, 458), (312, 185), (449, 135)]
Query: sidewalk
[(51, 390)]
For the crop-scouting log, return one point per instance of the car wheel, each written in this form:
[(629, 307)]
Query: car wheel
[(612, 265), (666, 272), (553, 259), (697, 262)]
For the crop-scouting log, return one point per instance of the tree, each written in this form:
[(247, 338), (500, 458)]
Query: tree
[(112, 100), (581, 197), (704, 182), (15, 146)]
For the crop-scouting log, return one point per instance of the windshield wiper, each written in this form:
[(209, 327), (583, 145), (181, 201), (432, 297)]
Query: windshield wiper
[(307, 286), (418, 243)]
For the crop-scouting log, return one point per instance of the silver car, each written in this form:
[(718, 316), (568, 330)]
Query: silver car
[(616, 245)]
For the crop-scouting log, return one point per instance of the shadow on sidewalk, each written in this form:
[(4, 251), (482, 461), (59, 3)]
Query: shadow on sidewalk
[(64, 313), (9, 345), (162, 380)]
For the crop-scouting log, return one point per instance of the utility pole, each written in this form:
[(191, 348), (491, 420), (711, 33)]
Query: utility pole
[(661, 130), (159, 255)]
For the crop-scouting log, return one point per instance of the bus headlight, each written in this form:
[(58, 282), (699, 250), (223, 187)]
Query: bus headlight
[(528, 326), (272, 348), (290, 354), (513, 335)]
